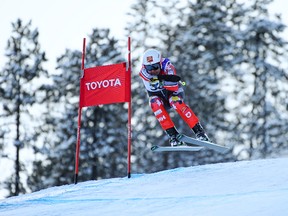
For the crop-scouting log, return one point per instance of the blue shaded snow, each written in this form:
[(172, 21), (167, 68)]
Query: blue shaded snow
[(258, 187)]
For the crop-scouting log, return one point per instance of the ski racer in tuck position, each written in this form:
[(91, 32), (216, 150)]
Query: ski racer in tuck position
[(165, 92)]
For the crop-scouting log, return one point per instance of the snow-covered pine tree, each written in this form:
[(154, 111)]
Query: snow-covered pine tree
[(263, 83), (19, 83)]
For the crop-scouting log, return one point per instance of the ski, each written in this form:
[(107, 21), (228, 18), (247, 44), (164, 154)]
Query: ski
[(209, 145), (175, 148)]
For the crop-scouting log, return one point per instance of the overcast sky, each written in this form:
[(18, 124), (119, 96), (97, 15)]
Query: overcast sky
[(63, 23)]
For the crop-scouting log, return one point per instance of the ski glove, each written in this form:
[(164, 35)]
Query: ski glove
[(170, 82)]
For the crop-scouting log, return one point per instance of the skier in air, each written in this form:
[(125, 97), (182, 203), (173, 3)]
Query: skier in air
[(165, 91)]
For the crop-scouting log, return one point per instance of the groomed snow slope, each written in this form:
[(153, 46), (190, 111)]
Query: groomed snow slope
[(244, 188)]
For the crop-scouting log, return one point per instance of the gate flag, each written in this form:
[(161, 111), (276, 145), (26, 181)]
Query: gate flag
[(105, 85)]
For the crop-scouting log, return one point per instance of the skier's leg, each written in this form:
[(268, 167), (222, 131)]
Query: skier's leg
[(186, 113), (161, 113), (164, 119)]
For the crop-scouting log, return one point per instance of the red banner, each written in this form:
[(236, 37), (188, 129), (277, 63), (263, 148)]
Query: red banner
[(105, 85)]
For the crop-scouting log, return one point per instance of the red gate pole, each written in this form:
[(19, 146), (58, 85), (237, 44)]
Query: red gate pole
[(129, 111), (79, 116)]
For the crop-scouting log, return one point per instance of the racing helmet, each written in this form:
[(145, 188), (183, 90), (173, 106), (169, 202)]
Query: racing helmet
[(151, 56)]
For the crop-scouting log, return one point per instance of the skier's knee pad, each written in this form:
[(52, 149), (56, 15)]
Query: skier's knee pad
[(156, 103), (175, 101)]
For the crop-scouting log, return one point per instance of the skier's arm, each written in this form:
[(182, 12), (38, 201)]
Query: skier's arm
[(171, 78), (171, 86), (168, 85), (170, 81)]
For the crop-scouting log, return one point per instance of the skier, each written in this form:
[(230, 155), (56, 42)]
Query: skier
[(165, 91)]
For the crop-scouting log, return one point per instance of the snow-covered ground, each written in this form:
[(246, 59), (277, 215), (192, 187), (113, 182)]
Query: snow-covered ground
[(257, 188)]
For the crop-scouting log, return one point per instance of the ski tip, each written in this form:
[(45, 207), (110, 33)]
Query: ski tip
[(153, 148)]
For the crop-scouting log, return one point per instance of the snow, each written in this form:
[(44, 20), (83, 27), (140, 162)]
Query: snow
[(258, 187)]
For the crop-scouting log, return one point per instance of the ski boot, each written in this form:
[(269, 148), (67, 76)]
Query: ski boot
[(174, 139), (200, 133)]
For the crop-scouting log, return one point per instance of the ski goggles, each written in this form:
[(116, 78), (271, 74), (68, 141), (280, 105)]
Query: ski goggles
[(152, 67)]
